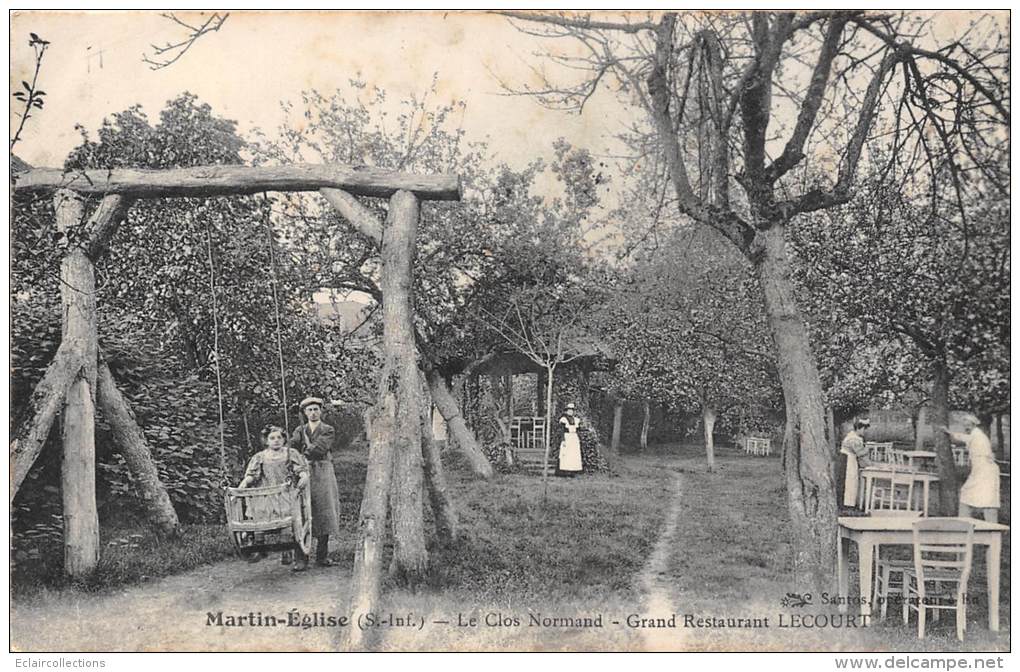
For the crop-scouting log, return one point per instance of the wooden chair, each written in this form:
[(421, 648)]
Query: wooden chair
[(943, 554), (900, 460), (880, 452), (758, 446), (892, 497), (961, 456)]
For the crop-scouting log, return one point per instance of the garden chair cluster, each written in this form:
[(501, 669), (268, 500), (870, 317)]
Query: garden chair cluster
[(934, 578), (758, 445)]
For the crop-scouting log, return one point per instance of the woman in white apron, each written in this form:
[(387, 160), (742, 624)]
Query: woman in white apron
[(570, 446), (854, 449), (980, 492)]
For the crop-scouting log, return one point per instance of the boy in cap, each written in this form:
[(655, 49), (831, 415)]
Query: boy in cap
[(314, 439)]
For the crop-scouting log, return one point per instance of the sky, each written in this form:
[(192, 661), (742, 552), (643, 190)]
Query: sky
[(258, 59), (94, 68)]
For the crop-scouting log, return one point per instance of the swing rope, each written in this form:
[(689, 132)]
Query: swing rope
[(216, 348), (216, 334), (276, 312)]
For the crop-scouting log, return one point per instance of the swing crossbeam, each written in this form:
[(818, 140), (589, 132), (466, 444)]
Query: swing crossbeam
[(237, 180), (119, 187)]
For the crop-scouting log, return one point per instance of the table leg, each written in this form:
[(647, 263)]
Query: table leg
[(843, 574), (926, 484), (865, 560), (992, 569)]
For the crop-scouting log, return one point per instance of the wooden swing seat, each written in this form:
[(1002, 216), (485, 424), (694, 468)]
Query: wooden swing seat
[(271, 518)]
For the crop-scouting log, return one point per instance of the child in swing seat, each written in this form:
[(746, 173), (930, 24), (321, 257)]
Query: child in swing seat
[(273, 466)]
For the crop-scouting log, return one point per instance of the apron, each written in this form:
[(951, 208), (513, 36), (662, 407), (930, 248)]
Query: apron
[(852, 479), (570, 448)]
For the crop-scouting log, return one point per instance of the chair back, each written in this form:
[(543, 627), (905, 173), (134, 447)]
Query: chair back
[(899, 459), (880, 452), (757, 445), (943, 550), (894, 496)]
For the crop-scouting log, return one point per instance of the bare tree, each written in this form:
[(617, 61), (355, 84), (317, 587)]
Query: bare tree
[(735, 104), (171, 52), (544, 326)]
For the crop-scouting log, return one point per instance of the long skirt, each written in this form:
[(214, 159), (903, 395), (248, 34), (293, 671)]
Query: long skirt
[(325, 499), (570, 453), (851, 482), (981, 489)]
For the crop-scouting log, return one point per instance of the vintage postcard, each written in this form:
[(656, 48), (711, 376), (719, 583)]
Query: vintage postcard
[(511, 331)]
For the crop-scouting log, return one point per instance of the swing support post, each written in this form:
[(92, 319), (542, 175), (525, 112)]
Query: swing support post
[(78, 465), (73, 377)]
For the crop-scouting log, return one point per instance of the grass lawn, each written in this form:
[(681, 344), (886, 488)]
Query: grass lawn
[(581, 551), (130, 553), (733, 560), (573, 553)]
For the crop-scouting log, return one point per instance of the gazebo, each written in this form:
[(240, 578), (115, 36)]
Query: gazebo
[(525, 432)]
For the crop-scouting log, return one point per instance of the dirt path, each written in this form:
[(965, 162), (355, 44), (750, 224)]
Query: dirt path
[(182, 612), (172, 614), (654, 578)]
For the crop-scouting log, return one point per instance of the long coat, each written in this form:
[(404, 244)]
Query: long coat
[(317, 447)]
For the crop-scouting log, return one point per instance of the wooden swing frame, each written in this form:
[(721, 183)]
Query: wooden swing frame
[(78, 376)]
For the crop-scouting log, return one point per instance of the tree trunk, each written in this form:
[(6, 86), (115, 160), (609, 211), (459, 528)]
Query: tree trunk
[(247, 429), (37, 419), (708, 421), (830, 419), (394, 429), (807, 458), (922, 420), (646, 422), (410, 557), (443, 510), (614, 442), (369, 553), (136, 454), (1000, 438), (472, 402), (540, 384), (464, 439), (508, 380), (548, 423), (78, 469), (949, 488)]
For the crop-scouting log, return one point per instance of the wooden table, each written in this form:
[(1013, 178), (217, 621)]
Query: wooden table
[(917, 455), (869, 474), (870, 532)]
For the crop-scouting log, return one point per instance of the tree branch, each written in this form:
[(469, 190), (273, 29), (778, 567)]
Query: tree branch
[(907, 48), (581, 23), (793, 153)]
